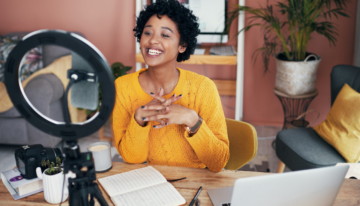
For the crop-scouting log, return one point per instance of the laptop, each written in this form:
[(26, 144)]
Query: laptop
[(314, 187)]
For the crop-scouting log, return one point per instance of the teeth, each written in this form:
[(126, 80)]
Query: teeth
[(154, 52)]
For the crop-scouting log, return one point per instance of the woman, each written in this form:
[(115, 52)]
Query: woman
[(163, 114)]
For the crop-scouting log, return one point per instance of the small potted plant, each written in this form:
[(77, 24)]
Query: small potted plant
[(287, 39), (53, 181), (52, 168)]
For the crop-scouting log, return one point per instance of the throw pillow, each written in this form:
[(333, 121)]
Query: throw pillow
[(341, 129), (31, 62)]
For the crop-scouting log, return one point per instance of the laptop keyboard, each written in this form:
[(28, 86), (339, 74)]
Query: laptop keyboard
[(226, 204)]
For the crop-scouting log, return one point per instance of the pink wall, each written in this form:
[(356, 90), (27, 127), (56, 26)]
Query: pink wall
[(108, 25)]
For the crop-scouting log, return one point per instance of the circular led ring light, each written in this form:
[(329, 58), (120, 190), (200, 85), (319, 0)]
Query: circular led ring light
[(89, 53)]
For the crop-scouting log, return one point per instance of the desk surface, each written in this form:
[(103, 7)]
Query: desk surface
[(349, 193)]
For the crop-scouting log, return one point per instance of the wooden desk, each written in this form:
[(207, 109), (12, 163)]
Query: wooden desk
[(349, 193)]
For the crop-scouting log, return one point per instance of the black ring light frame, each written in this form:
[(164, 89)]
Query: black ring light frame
[(89, 53)]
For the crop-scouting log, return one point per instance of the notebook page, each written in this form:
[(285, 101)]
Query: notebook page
[(163, 194), (132, 180)]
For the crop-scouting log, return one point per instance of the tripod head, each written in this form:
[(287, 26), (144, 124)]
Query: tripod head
[(75, 160)]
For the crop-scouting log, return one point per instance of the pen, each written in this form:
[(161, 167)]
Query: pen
[(197, 194)]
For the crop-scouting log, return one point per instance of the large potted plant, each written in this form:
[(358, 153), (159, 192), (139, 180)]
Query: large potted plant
[(287, 39)]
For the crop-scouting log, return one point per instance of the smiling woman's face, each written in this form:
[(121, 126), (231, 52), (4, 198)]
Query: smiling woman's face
[(160, 42)]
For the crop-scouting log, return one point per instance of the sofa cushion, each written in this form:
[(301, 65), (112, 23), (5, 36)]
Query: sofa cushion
[(53, 85), (10, 113), (303, 148), (13, 131), (341, 129), (53, 52), (31, 62)]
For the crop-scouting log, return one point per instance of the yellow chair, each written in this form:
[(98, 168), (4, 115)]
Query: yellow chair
[(242, 142)]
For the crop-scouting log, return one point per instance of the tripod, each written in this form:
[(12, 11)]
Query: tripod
[(83, 185)]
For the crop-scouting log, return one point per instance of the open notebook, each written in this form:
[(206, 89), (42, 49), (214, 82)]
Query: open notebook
[(145, 186)]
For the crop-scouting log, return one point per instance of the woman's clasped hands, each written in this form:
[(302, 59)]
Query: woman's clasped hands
[(165, 112)]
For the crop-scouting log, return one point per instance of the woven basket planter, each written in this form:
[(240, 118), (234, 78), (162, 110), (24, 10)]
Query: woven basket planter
[(296, 77)]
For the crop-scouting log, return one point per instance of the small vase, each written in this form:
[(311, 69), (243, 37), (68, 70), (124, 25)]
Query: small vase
[(53, 185)]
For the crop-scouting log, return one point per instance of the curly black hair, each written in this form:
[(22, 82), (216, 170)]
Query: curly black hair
[(185, 20)]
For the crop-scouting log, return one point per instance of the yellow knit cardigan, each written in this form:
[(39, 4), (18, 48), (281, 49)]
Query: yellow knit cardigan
[(171, 145)]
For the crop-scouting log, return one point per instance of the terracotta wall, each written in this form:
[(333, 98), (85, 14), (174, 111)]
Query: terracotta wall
[(108, 25)]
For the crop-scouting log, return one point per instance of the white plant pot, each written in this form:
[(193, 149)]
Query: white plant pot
[(296, 77), (53, 185)]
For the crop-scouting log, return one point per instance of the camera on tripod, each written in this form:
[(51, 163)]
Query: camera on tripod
[(29, 157), (86, 57)]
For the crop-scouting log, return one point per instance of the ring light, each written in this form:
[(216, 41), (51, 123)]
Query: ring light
[(89, 53)]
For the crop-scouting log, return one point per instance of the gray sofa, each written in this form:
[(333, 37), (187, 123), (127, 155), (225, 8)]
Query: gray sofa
[(45, 92), (303, 148)]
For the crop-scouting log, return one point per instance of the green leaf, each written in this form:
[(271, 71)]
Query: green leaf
[(88, 112), (43, 163), (119, 69), (302, 18), (58, 160), (342, 14)]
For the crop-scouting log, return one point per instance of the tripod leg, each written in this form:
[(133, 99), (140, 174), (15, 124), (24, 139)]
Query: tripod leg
[(84, 196), (73, 197), (92, 202), (94, 190)]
